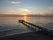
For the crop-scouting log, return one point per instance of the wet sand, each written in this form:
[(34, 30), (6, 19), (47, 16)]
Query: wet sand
[(28, 36)]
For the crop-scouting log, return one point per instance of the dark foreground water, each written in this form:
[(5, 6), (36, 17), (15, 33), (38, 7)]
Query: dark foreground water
[(10, 25)]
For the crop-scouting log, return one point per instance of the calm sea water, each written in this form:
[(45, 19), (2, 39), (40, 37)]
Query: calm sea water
[(11, 23)]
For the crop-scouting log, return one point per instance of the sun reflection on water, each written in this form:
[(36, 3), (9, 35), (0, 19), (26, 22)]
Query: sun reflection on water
[(25, 18)]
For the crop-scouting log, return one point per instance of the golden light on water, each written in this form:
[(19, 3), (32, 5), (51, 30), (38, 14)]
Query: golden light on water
[(25, 17)]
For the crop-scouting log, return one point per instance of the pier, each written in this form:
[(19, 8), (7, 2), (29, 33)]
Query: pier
[(33, 27)]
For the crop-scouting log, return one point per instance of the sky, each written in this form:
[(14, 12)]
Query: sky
[(26, 7)]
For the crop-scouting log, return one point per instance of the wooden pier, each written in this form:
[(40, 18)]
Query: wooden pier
[(45, 30)]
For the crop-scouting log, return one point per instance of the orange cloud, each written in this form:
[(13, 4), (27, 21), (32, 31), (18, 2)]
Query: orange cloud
[(27, 11)]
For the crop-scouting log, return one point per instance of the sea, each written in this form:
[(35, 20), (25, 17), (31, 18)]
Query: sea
[(10, 25)]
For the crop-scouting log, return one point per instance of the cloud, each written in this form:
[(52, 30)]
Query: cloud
[(24, 10), (15, 2), (50, 8)]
